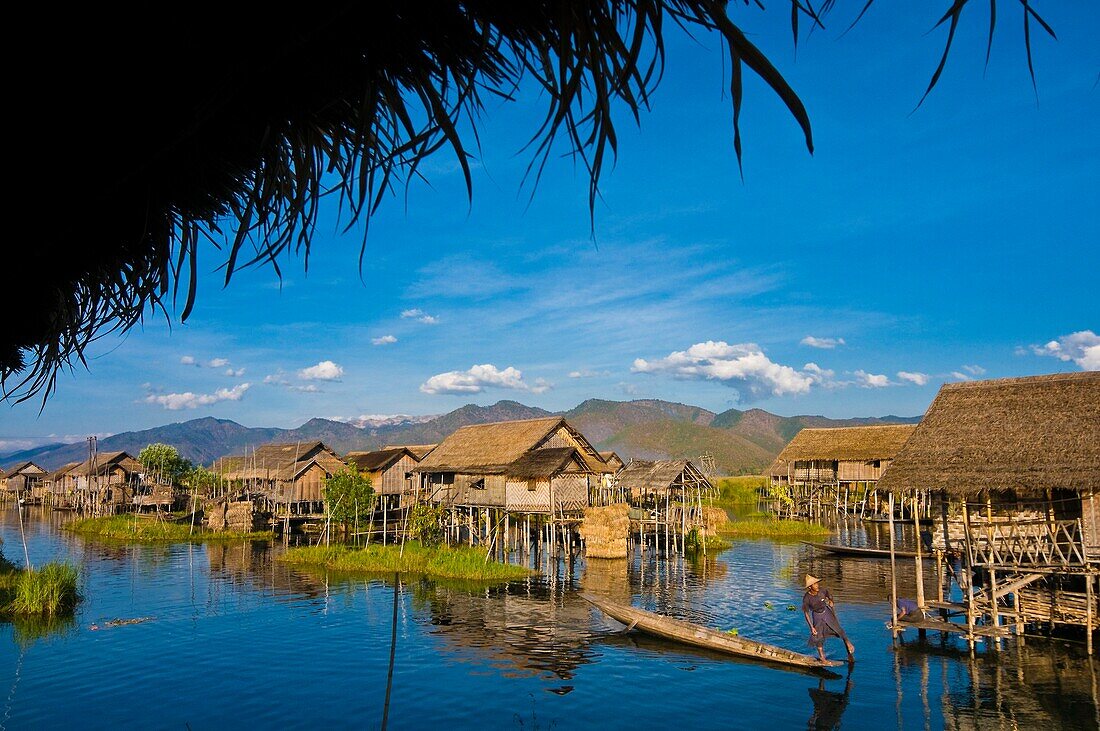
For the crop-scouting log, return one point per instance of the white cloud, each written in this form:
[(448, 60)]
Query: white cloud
[(1083, 348), (189, 400), (217, 363), (586, 373), (326, 370), (821, 376), (914, 377), (742, 366), (308, 388), (974, 370), (871, 380), (189, 360), (276, 379), (960, 376), (384, 340), (420, 316), (479, 378), (823, 343), (235, 373)]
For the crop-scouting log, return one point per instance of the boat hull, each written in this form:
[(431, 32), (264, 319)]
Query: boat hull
[(704, 637), (854, 552)]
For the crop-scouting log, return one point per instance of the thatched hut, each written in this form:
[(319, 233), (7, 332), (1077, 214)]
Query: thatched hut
[(531, 465), (107, 477), (24, 480), (390, 471), (61, 483), (843, 455), (1014, 465), (612, 460), (291, 474), (420, 451), (649, 479)]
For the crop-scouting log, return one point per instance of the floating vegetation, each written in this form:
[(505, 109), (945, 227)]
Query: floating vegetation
[(112, 623), (47, 591), (447, 562), (144, 530), (773, 528)]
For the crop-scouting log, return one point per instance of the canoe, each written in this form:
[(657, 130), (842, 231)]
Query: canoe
[(860, 552), (696, 635)]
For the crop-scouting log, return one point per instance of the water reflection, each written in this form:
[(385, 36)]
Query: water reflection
[(530, 649)]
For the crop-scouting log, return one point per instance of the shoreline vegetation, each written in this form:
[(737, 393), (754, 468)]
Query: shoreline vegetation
[(444, 562), (127, 528), (739, 490), (48, 591)]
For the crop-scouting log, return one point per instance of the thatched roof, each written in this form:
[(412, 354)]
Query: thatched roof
[(1023, 434), (282, 462), (62, 471), (488, 449), (643, 475), (612, 459), (419, 450), (245, 136), (545, 463), (104, 462), (380, 459), (778, 468), (847, 444), (29, 467)]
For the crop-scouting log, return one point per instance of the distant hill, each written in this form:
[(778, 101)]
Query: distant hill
[(740, 441)]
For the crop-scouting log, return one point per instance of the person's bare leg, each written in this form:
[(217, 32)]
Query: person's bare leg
[(821, 652)]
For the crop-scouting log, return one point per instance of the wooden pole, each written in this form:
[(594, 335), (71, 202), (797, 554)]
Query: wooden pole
[(1089, 609), (919, 560), (893, 576), (969, 568), (992, 569)]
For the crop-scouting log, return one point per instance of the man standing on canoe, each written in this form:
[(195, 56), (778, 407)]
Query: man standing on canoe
[(818, 607)]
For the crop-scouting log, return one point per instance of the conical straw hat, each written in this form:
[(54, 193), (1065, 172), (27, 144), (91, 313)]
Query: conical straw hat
[(811, 580)]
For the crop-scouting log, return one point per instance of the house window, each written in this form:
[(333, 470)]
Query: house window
[(478, 484), (532, 485)]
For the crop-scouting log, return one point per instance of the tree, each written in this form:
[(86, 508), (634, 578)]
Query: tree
[(163, 463), (349, 497), (234, 146), (201, 480)]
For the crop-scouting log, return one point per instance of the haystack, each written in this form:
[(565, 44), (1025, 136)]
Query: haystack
[(214, 512), (243, 517), (713, 519), (605, 531)]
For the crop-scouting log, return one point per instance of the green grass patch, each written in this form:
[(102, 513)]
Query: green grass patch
[(446, 562), (742, 490), (143, 530), (772, 528), (47, 591)]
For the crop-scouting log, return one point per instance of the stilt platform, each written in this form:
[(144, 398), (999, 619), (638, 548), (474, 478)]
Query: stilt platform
[(937, 625)]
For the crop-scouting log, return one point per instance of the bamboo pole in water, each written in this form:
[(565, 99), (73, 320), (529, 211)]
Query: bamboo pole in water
[(969, 568), (919, 559), (893, 576)]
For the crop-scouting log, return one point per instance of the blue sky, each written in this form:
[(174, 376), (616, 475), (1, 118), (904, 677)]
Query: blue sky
[(955, 241)]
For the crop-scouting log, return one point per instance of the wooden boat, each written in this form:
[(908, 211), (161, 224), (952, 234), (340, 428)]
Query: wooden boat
[(698, 636), (860, 552)]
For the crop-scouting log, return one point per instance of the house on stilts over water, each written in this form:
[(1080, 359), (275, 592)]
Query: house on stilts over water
[(391, 473), (23, 481), (484, 473), (667, 499), (288, 478), (1012, 468), (837, 470)]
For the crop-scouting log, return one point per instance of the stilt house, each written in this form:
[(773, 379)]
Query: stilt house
[(283, 473), (1013, 465), (648, 480), (839, 466), (23, 479), (612, 460), (108, 477), (525, 466), (390, 472)]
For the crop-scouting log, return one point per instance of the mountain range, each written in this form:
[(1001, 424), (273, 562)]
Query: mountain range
[(742, 442)]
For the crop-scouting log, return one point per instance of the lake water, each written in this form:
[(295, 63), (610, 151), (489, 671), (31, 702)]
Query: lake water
[(239, 639)]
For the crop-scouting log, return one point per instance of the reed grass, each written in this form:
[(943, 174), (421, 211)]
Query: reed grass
[(49, 590), (772, 528), (740, 490), (447, 562), (126, 528)]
